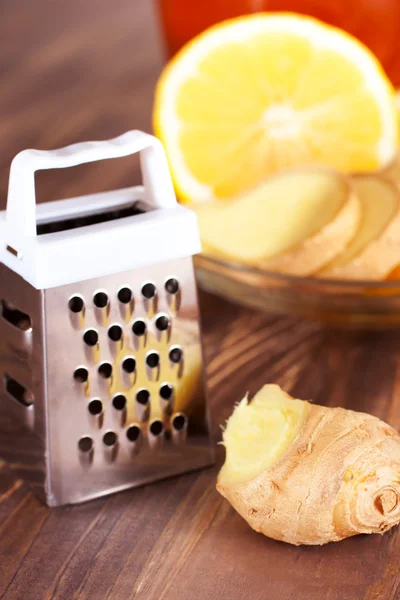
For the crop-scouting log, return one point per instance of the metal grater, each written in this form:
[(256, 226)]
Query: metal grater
[(102, 383)]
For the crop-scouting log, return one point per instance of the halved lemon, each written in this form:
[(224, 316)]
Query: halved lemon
[(253, 95)]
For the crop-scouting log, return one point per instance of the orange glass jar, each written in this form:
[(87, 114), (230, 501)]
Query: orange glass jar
[(374, 22)]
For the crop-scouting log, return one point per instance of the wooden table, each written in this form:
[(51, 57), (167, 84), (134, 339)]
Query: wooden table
[(76, 70)]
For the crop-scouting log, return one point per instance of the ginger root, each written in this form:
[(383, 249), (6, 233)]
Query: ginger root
[(308, 474)]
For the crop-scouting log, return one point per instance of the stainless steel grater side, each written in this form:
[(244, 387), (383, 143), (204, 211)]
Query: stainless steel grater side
[(102, 379)]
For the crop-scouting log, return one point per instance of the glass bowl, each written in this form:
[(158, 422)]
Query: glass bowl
[(358, 304)]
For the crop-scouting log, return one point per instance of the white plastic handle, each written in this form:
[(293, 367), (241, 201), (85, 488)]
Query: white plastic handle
[(21, 202)]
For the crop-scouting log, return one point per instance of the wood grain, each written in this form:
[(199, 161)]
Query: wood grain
[(72, 71)]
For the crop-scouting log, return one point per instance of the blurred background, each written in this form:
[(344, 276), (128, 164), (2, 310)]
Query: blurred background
[(74, 71)]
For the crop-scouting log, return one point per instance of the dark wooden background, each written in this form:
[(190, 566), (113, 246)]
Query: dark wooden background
[(86, 69)]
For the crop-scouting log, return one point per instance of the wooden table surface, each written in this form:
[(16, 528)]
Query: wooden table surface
[(83, 69)]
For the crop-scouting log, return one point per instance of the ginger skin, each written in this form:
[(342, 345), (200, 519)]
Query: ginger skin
[(337, 476)]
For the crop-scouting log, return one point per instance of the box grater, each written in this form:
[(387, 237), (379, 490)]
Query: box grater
[(102, 383)]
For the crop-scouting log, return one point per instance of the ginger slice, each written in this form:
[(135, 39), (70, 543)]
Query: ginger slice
[(308, 474), (392, 170), (294, 222), (375, 249)]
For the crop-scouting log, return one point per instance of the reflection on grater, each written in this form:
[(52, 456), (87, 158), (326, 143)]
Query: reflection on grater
[(100, 350)]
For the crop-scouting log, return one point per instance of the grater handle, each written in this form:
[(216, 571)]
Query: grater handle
[(21, 202)]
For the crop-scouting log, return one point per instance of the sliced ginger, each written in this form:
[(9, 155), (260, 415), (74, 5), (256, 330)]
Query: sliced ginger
[(371, 253), (308, 474), (294, 222), (392, 171)]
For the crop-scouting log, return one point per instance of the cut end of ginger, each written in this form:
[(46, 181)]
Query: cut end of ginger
[(259, 432)]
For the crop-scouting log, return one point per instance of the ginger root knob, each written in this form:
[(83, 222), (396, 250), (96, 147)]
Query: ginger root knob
[(308, 474)]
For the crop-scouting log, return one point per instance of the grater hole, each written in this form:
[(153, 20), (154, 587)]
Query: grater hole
[(179, 422), (95, 407), (133, 433), (156, 427), (110, 438), (153, 360), (175, 354), (172, 286), (81, 375), (115, 333), (162, 323), (119, 402), (149, 291), (139, 328), (91, 337), (143, 397), (15, 317), (125, 295), (166, 391), (76, 304), (85, 444), (105, 370), (17, 391), (129, 365), (100, 300)]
